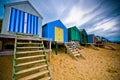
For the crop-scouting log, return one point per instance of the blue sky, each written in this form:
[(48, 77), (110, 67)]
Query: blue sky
[(99, 17)]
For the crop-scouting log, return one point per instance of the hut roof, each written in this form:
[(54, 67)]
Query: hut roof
[(22, 2), (55, 22), (83, 31), (73, 27)]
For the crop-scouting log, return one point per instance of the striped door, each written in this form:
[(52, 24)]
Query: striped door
[(58, 34), (22, 22)]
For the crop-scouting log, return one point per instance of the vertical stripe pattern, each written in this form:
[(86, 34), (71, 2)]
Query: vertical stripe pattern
[(32, 24), (23, 22)]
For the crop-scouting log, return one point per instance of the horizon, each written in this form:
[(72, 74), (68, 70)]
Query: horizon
[(99, 17)]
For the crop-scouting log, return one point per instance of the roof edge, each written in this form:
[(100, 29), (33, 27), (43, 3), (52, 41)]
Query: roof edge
[(22, 2)]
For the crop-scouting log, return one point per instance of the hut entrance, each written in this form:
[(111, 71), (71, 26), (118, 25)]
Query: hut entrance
[(58, 36), (82, 38)]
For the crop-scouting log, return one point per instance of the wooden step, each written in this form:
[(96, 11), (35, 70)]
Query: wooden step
[(30, 69), (29, 52), (29, 57), (45, 78), (26, 43), (76, 54), (28, 47), (28, 38), (34, 75), (71, 48), (74, 50), (77, 49), (27, 63), (32, 51)]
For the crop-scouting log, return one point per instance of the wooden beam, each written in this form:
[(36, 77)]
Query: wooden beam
[(56, 50)]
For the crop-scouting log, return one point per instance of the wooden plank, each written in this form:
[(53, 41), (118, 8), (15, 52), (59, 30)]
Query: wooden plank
[(34, 75), (34, 39), (29, 52), (14, 62), (7, 36), (76, 54), (27, 63), (29, 57), (14, 36), (29, 43), (30, 69), (27, 47), (70, 51), (32, 51)]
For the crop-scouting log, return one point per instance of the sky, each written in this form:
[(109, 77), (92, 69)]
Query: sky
[(99, 17)]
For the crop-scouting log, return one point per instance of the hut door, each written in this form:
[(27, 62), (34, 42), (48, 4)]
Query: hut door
[(22, 22), (58, 35)]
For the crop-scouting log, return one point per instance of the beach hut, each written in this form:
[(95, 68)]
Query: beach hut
[(104, 39), (73, 34), (56, 31), (99, 38), (83, 36), (92, 38), (21, 18)]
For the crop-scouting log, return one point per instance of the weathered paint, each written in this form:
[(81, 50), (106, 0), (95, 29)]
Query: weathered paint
[(48, 30), (73, 34), (22, 17)]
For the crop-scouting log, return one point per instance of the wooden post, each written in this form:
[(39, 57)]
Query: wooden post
[(50, 50), (14, 58), (1, 45), (56, 48)]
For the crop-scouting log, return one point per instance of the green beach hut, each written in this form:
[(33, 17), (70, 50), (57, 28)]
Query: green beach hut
[(73, 34), (83, 36)]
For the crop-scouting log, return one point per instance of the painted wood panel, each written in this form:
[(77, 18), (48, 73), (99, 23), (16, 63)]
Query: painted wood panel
[(58, 34), (22, 22)]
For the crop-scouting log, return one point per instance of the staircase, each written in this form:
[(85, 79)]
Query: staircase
[(92, 45), (73, 48), (29, 61)]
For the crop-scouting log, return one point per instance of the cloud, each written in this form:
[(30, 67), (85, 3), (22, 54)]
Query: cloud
[(101, 17), (74, 15), (103, 25), (106, 26)]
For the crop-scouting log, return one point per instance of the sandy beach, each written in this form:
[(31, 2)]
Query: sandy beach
[(101, 64)]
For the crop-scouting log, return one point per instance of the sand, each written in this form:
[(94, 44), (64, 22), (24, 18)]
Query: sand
[(102, 64)]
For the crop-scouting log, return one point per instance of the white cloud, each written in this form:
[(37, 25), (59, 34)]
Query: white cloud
[(74, 15), (79, 16), (103, 26), (106, 26)]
